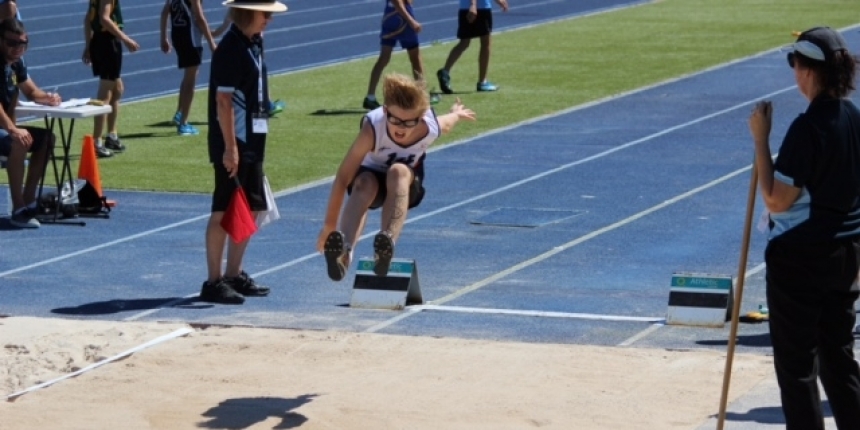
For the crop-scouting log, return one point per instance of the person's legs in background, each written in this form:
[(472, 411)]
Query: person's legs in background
[(186, 97), (444, 74), (115, 94), (484, 65), (382, 61)]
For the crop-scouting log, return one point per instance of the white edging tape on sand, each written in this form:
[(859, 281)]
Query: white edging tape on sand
[(179, 332), (546, 314)]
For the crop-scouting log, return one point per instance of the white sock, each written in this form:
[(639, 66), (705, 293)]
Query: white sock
[(113, 136), (99, 143), (33, 205), (371, 97)]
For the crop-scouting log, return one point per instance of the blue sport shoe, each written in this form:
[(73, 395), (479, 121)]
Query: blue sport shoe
[(177, 118), (487, 86), (276, 107), (187, 130)]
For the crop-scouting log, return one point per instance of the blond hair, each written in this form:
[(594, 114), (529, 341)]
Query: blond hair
[(404, 92)]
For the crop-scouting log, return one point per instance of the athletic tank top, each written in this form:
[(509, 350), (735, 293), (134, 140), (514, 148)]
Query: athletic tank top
[(387, 152), (182, 24)]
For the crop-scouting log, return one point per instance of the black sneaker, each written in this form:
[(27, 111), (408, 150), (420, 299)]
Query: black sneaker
[(444, 81), (383, 250), (246, 286), (335, 256), (102, 152), (220, 292), (114, 144)]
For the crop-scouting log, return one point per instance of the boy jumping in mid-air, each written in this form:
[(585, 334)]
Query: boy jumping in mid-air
[(384, 167)]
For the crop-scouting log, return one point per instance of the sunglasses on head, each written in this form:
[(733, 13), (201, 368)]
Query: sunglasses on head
[(408, 123), (15, 43)]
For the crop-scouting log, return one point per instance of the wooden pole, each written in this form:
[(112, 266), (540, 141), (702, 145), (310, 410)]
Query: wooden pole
[(736, 308)]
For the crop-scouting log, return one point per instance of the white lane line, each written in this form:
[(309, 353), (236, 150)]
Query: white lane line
[(517, 267), (102, 246), (530, 313), (179, 332)]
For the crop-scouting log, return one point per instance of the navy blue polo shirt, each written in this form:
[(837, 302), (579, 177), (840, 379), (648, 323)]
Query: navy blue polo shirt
[(821, 155), (14, 74), (235, 69)]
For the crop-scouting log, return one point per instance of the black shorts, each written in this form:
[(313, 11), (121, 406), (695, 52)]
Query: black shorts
[(481, 26), (416, 188), (250, 176), (40, 139), (187, 55), (106, 56)]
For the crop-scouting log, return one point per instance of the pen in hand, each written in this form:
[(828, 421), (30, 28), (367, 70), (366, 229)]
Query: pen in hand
[(53, 97)]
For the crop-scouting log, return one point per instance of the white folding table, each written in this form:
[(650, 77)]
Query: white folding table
[(55, 115)]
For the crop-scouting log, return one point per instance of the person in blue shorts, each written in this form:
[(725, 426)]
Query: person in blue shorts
[(398, 26), (238, 126), (474, 20), (188, 28)]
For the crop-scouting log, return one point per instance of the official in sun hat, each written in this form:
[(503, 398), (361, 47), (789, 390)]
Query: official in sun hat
[(238, 94), (812, 194), (261, 5)]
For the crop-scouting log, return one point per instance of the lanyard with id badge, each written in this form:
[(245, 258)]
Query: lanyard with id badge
[(260, 119)]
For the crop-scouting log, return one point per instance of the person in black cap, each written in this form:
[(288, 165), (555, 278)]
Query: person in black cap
[(812, 192)]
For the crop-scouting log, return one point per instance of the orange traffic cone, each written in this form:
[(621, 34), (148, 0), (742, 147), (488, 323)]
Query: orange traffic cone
[(89, 167)]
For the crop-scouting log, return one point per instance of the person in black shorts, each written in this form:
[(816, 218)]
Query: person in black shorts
[(475, 19), (188, 27), (812, 192), (103, 51), (16, 142), (238, 125)]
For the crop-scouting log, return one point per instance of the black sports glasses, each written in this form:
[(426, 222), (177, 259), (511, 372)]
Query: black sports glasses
[(408, 123), (790, 58), (15, 43)]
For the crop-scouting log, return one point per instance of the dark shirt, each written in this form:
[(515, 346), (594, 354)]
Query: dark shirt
[(234, 68), (14, 75), (821, 155), (96, 22)]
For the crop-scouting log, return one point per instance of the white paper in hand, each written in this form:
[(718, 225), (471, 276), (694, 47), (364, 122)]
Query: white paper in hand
[(272, 213)]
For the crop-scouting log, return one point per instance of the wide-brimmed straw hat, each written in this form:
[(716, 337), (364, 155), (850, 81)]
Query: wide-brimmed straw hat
[(261, 5)]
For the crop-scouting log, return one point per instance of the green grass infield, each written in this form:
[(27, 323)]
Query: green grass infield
[(540, 70)]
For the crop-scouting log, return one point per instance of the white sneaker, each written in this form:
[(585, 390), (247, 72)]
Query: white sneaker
[(24, 218)]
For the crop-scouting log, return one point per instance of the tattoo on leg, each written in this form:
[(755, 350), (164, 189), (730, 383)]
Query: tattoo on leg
[(397, 218)]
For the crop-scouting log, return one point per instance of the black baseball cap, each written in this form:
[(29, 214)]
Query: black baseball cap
[(819, 43)]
